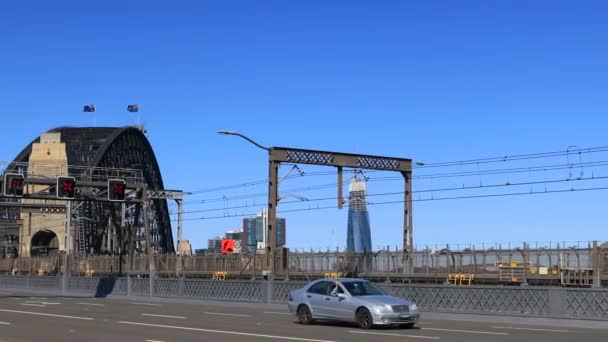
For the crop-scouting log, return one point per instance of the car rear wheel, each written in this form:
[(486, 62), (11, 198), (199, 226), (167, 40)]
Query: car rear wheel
[(304, 314), (364, 318)]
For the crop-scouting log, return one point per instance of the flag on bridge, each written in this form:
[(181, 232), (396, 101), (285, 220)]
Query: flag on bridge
[(89, 108), (134, 108)]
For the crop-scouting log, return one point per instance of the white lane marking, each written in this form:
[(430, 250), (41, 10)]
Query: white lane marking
[(5, 323), (153, 341), (394, 335), (277, 313), (30, 304), (91, 304), (148, 304), (6, 293), (165, 316), (46, 314), (15, 298), (467, 331), (225, 314), (533, 329), (43, 303), (225, 332)]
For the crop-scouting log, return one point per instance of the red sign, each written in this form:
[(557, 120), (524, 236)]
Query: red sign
[(227, 246)]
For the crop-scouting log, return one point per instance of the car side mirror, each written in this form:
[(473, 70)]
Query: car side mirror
[(341, 296)]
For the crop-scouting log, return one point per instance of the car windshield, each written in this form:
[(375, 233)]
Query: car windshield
[(362, 288)]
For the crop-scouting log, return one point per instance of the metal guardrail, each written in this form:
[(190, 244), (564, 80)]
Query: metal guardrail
[(548, 302), (537, 267)]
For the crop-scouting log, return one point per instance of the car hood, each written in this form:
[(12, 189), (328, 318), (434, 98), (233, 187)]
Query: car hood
[(390, 300)]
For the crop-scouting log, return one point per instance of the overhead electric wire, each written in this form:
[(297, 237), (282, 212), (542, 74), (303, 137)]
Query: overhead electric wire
[(506, 158), (541, 168), (517, 157), (259, 182), (413, 200), (481, 186)]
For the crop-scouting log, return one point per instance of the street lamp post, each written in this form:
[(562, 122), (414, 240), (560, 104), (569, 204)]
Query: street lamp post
[(273, 198)]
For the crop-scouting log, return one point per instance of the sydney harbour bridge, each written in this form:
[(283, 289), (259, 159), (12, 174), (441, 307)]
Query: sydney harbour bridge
[(91, 155)]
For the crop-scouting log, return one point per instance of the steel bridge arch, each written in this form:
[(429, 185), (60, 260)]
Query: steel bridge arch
[(115, 147)]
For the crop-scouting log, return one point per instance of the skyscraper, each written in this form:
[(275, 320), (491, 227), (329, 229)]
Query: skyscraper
[(358, 234), (254, 231), (214, 245)]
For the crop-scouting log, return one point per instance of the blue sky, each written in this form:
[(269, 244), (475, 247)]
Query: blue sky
[(428, 80)]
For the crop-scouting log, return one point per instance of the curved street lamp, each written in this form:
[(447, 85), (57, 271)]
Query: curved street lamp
[(244, 137), (273, 200)]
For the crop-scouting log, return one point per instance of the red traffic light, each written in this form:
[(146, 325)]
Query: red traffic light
[(13, 185), (66, 187), (117, 189)]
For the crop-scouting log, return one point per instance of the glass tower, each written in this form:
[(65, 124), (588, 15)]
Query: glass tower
[(254, 231), (358, 234)]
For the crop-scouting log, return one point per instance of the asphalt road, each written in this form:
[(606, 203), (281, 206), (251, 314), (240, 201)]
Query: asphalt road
[(27, 317)]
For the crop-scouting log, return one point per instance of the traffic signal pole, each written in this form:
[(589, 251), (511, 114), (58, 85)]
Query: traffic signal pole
[(180, 225), (149, 251), (67, 246)]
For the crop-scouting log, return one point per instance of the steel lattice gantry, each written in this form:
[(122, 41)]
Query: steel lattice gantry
[(99, 225)]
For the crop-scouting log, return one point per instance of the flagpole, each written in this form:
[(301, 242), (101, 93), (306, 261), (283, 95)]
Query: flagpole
[(90, 108), (134, 108)]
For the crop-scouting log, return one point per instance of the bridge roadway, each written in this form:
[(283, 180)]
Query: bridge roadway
[(41, 317)]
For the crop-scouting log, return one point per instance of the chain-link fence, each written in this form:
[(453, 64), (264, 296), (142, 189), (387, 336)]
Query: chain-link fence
[(581, 265), (546, 302)]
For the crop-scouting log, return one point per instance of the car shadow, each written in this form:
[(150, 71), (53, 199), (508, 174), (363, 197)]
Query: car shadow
[(42, 296), (105, 287), (354, 325)]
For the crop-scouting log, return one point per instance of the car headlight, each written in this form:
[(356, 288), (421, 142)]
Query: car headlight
[(383, 308), (413, 307)]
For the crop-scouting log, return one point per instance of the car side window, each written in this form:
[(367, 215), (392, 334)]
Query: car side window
[(335, 289), (319, 288)]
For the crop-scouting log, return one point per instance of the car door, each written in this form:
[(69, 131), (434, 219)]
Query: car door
[(336, 307), (315, 296)]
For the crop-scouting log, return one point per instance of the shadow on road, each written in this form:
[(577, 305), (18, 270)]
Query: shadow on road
[(354, 325), (41, 296), (105, 287)]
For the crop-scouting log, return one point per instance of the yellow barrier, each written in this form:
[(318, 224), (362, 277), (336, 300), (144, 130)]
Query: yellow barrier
[(460, 279), (89, 273), (40, 272), (220, 275), (14, 271), (333, 275), (466, 279)]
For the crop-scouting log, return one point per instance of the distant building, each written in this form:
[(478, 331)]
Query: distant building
[(234, 234), (237, 236), (249, 236), (358, 234), (281, 232), (185, 248), (254, 232), (201, 251), (214, 245)]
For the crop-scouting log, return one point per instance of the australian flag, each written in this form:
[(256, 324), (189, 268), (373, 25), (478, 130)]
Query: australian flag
[(134, 108), (89, 108)]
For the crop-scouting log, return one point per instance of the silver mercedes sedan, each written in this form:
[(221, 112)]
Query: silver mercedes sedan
[(351, 300)]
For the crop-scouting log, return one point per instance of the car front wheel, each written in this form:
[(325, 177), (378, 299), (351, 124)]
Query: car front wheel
[(304, 314), (364, 318)]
